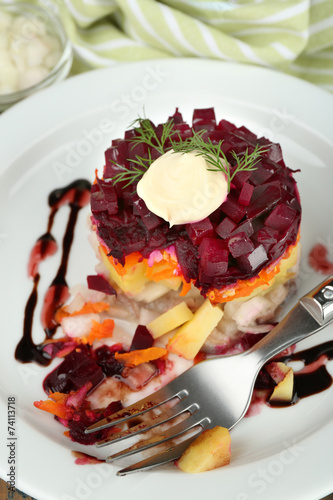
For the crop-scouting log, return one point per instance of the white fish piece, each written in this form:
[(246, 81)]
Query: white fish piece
[(78, 326)]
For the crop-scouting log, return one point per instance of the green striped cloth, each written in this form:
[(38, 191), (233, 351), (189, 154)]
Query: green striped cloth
[(293, 36)]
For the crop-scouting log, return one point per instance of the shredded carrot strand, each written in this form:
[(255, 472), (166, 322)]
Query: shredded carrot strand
[(99, 331), (58, 409), (135, 358), (58, 397), (87, 308)]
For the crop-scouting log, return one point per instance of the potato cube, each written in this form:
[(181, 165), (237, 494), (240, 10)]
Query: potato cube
[(210, 450)]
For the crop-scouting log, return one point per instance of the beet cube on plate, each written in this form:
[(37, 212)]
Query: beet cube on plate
[(239, 245), (267, 236), (204, 119), (104, 197), (115, 158), (233, 208), (253, 260), (261, 174), (214, 257), (225, 228), (187, 256), (139, 206), (151, 221), (75, 371), (241, 177), (199, 230), (246, 227), (281, 217), (264, 198), (226, 126), (142, 339), (246, 194)]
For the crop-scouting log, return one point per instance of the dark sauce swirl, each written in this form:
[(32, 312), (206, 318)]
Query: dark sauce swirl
[(76, 195), (314, 377)]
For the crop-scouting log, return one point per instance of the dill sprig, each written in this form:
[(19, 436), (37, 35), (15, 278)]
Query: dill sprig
[(212, 153), (146, 133)]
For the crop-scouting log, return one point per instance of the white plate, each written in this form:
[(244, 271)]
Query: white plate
[(60, 135)]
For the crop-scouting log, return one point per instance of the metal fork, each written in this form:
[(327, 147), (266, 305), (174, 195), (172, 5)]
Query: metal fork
[(216, 391)]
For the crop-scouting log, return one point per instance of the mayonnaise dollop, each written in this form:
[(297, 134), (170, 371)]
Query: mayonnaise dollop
[(180, 188)]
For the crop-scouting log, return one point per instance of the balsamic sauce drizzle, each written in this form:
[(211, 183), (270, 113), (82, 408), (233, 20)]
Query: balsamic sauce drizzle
[(76, 195), (313, 381)]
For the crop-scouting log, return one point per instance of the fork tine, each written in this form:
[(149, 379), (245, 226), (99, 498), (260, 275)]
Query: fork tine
[(172, 432), (179, 408), (136, 409), (162, 458)]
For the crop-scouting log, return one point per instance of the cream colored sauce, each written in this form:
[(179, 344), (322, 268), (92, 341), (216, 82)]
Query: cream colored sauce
[(180, 188)]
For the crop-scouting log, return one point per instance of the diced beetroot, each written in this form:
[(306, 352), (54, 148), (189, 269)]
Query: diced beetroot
[(127, 195), (226, 126), (104, 198), (274, 153), (75, 371), (218, 135), (261, 174), (106, 360), (184, 131), (239, 245), (226, 227), (113, 407), (115, 155), (125, 239), (142, 339), (129, 134), (241, 178), (287, 239), (264, 198), (177, 117), (187, 256), (215, 217), (214, 257), (139, 206), (157, 239), (281, 217), (257, 224), (151, 221), (267, 236), (199, 230), (109, 194), (97, 282), (240, 146), (204, 119), (97, 200), (246, 227), (246, 134), (135, 150), (252, 261), (233, 208), (246, 194)]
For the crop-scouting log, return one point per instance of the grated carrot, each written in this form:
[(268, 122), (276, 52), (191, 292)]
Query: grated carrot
[(60, 410), (99, 331), (88, 308), (135, 358)]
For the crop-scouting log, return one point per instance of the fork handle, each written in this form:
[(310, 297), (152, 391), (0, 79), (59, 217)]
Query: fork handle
[(313, 312)]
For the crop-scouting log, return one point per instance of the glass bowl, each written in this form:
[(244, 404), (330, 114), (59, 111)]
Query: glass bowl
[(35, 19)]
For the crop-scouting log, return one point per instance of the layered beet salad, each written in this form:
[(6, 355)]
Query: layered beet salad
[(196, 232)]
